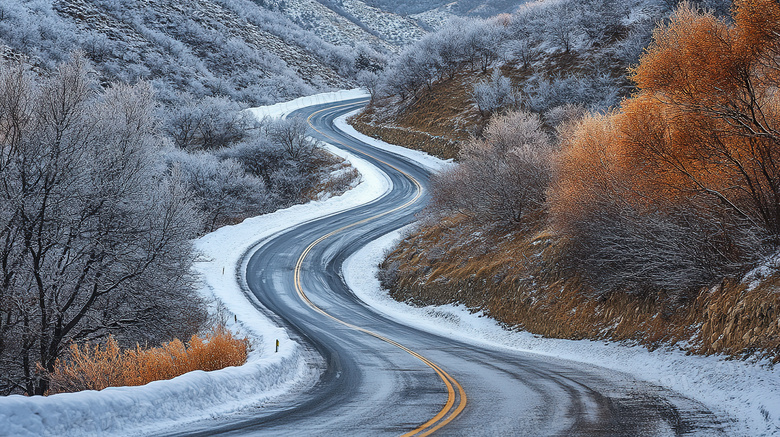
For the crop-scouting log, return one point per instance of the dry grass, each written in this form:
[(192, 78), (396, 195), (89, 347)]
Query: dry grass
[(436, 122), (95, 367), (443, 148), (512, 278)]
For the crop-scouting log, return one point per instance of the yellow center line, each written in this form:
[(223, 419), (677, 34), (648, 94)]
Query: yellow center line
[(447, 413)]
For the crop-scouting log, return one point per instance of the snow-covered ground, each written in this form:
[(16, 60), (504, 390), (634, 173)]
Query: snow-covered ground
[(349, 21)]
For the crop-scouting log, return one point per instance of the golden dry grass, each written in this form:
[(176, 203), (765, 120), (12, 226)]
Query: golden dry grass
[(436, 122), (510, 277), (95, 367)]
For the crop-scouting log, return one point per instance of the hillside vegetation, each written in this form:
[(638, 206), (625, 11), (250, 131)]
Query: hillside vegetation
[(101, 198), (220, 48), (441, 91), (655, 221)]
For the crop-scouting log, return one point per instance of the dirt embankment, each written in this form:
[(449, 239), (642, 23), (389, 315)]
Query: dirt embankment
[(509, 277), (436, 121)]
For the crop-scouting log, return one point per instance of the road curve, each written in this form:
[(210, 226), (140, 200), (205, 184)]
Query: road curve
[(380, 377)]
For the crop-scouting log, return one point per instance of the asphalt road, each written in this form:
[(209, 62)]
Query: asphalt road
[(379, 377)]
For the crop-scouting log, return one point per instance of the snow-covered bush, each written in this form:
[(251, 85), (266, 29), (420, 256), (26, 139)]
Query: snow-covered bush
[(596, 90), (502, 179), (225, 193), (494, 94), (208, 123)]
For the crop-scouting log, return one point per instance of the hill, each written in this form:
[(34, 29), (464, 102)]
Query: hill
[(252, 52)]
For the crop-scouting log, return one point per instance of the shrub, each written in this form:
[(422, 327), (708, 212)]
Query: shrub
[(679, 188), (502, 178), (95, 367)]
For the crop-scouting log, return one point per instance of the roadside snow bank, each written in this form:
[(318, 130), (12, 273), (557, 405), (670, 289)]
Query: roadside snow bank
[(199, 395), (431, 162), (280, 110), (747, 394), (133, 410)]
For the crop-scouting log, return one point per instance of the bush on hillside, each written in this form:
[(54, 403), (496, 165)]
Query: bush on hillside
[(501, 179), (680, 188)]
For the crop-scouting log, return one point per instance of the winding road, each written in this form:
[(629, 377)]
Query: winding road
[(380, 377)]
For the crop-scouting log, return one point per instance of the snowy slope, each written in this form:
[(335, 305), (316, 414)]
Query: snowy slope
[(349, 21), (232, 48), (251, 52)]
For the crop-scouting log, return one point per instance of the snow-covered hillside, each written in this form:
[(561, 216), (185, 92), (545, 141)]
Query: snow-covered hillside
[(257, 52), (349, 21), (246, 51)]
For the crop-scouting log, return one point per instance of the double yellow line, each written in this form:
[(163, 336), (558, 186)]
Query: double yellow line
[(455, 393)]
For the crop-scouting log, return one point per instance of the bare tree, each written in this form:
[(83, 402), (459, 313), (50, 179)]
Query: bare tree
[(562, 25), (523, 49), (483, 41), (290, 134), (494, 94), (562, 119), (369, 81), (95, 238)]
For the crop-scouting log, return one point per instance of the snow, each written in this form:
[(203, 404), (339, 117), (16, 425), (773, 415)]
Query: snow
[(200, 395), (396, 29), (281, 110), (746, 393), (134, 410), (766, 269)]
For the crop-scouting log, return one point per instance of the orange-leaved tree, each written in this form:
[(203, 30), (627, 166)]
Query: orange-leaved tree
[(681, 187), (716, 86)]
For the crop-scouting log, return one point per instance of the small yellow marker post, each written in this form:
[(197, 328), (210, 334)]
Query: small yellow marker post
[(277, 345)]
